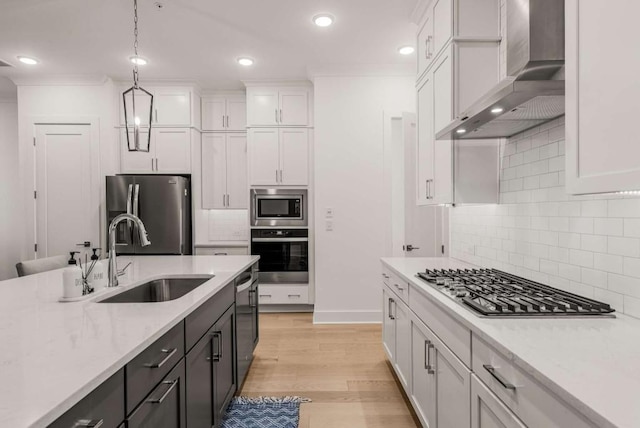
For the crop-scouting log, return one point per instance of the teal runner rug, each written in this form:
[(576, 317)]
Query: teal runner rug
[(263, 412)]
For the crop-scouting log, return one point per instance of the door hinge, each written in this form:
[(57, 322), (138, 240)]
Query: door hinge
[(35, 247), (35, 194), (442, 249)]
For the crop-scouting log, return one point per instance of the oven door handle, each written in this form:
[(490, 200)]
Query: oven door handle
[(279, 239)]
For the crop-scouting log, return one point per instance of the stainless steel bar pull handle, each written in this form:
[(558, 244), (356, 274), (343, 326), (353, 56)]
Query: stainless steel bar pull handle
[(428, 366), (281, 121), (88, 423), (276, 115), (223, 121), (169, 352), (497, 376), (216, 356), (173, 384), (391, 316)]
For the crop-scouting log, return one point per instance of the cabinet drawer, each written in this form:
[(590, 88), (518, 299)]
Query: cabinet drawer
[(283, 294), (105, 403), (165, 405), (201, 320), (455, 335), (146, 370), (529, 400), (397, 284), (222, 251)]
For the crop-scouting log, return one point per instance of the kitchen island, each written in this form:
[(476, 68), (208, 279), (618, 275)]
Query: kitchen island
[(54, 354), (536, 371)]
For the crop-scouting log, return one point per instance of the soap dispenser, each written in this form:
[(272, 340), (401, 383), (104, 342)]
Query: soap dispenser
[(98, 276), (72, 281)]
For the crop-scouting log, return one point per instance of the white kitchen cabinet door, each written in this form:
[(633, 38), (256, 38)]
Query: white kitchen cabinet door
[(172, 106), (425, 143), (453, 385), (487, 411), (264, 157), (135, 162), (237, 185), (294, 157), (441, 188), (442, 24), (294, 108), (263, 108), (214, 114), (172, 150), (601, 152), (425, 40), (236, 114), (443, 89), (423, 391), (403, 344), (388, 324), (214, 171)]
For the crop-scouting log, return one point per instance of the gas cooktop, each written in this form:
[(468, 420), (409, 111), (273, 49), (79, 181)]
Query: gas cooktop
[(493, 293)]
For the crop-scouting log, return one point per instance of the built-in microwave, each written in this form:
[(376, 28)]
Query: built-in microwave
[(279, 207)]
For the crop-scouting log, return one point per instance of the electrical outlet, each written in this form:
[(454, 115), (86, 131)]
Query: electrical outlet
[(328, 213)]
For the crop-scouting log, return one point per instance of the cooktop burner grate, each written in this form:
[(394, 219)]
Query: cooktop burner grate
[(493, 293)]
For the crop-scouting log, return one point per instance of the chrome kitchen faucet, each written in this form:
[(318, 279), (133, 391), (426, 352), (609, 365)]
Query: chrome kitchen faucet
[(144, 241)]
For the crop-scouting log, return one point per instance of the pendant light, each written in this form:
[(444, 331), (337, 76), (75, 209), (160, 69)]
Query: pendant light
[(138, 103)]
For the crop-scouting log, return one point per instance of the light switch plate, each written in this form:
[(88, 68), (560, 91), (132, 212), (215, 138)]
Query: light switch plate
[(328, 213)]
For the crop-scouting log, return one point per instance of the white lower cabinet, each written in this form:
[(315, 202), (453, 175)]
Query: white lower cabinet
[(397, 336), (283, 294), (440, 381), (487, 411)]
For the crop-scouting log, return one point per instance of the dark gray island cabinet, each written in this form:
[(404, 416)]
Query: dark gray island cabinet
[(185, 378)]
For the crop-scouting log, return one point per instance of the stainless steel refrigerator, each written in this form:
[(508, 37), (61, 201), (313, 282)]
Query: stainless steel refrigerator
[(163, 203)]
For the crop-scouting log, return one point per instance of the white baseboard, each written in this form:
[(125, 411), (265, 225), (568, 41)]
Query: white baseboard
[(347, 317), (266, 309)]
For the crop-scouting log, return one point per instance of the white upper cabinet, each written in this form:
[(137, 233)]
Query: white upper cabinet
[(460, 20), (602, 68), (278, 157), (224, 171), (278, 107), (224, 113), (170, 152), (172, 106)]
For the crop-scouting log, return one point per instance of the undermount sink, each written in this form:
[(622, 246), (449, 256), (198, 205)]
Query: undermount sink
[(159, 290)]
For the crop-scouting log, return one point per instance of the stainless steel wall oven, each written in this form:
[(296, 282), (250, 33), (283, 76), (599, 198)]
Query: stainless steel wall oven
[(284, 255)]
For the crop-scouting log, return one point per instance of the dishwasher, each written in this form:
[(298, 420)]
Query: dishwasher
[(246, 320)]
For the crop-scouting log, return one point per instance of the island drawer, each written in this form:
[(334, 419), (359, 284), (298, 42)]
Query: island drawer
[(200, 321), (456, 336), (533, 403), (397, 284), (146, 370), (104, 405)]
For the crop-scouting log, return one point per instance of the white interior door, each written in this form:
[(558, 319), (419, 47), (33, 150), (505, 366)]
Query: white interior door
[(64, 210), (419, 221)]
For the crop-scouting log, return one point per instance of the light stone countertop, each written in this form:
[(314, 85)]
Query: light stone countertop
[(591, 363), (53, 354)]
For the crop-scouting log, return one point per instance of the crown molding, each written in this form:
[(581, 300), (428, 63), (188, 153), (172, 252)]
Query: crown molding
[(66, 80), (419, 11), (276, 82), (369, 70)]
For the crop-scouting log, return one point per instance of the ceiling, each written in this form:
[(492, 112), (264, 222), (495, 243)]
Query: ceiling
[(199, 40)]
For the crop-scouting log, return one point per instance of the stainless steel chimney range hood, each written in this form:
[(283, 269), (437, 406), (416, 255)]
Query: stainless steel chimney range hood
[(533, 92)]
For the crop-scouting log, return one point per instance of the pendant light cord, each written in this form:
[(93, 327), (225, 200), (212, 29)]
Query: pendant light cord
[(135, 43)]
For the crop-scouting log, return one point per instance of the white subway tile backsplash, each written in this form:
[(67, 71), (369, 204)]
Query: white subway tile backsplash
[(589, 245), (624, 246)]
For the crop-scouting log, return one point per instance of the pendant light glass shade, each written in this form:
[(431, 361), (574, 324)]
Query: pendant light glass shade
[(138, 116)]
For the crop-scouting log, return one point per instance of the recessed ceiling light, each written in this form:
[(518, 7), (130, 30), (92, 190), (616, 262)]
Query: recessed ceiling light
[(406, 50), (245, 61), (461, 131), (28, 60), (323, 20), (497, 110), (138, 60)]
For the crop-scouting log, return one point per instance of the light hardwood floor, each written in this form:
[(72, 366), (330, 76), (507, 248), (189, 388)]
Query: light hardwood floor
[(342, 368)]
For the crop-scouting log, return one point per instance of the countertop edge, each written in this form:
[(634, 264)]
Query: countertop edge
[(570, 399), (75, 398)]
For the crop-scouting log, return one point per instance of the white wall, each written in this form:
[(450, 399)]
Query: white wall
[(10, 218), (589, 245), (350, 178), (91, 99)]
